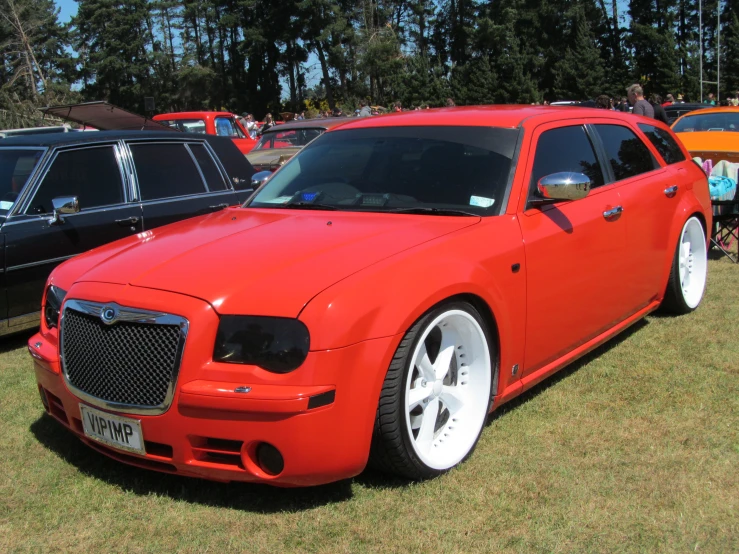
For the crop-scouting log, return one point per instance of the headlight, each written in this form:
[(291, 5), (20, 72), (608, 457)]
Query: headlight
[(276, 344), (54, 298)]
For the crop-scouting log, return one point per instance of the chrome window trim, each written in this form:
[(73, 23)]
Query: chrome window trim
[(197, 166), (221, 170), (135, 174), (131, 315), (181, 198), (35, 218), (50, 161)]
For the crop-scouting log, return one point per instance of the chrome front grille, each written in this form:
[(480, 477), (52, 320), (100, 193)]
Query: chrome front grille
[(121, 358)]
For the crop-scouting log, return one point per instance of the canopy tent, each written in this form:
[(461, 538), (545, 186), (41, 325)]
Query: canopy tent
[(105, 117)]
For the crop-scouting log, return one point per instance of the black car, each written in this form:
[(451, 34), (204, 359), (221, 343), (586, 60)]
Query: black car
[(65, 193), (674, 111)]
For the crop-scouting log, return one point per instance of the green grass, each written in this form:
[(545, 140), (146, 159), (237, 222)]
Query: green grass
[(634, 448)]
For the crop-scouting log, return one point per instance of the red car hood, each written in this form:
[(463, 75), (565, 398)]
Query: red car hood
[(257, 261)]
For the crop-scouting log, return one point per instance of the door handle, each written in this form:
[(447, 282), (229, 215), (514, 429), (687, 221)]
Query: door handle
[(671, 191), (613, 212), (127, 221), (218, 207)]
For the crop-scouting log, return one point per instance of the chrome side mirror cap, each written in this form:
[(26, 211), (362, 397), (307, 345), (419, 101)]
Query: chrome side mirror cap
[(63, 205), (566, 185), (258, 179)]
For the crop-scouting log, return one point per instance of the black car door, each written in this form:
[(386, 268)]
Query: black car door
[(177, 180), (34, 246)]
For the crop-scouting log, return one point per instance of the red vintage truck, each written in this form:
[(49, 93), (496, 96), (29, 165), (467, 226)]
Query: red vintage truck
[(210, 123)]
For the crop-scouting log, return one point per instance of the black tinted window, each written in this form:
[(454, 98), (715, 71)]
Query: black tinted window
[(165, 170), (627, 153), (664, 143), (566, 149), (90, 174), (208, 167), (16, 167)]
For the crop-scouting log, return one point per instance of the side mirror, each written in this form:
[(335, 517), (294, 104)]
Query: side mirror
[(63, 205), (259, 178), (566, 185)]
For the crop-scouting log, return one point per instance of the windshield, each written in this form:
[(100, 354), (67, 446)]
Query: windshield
[(288, 139), (728, 121), (16, 166), (397, 169)]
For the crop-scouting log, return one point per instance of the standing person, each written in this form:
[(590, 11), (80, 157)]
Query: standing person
[(450, 103), (603, 102), (268, 124), (710, 100), (398, 107), (364, 110), (250, 125), (636, 98), (659, 112), (670, 100)]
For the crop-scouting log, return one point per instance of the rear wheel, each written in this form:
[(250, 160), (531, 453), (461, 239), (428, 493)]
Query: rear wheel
[(436, 394), (689, 269)]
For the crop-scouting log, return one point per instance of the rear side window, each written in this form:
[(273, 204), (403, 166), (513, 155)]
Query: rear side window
[(566, 149), (186, 125), (208, 167), (16, 167), (165, 171), (628, 155), (90, 174), (664, 143)]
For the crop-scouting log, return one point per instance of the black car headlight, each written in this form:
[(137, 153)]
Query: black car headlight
[(54, 298), (277, 344)]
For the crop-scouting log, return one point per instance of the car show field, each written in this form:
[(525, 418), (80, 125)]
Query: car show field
[(632, 448)]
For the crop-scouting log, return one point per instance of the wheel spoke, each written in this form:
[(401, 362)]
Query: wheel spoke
[(424, 365), (417, 395), (452, 399), (449, 339), (428, 425)]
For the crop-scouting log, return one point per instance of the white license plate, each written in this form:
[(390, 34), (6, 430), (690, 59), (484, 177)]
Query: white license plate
[(113, 430)]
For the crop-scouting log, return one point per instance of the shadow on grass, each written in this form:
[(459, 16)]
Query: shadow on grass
[(15, 341), (255, 497), (567, 371), (240, 496)]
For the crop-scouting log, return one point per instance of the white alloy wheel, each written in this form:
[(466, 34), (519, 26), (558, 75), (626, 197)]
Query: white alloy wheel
[(447, 389), (692, 262)]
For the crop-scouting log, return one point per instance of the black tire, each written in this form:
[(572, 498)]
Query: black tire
[(391, 450), (675, 301)]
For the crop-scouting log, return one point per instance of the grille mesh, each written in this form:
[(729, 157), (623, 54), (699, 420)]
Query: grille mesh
[(129, 363)]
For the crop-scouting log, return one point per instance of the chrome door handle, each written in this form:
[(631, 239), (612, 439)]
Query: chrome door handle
[(671, 191), (128, 221), (218, 207), (610, 214)]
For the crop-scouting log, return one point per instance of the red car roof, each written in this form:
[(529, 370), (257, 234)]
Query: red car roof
[(480, 116), (191, 115)]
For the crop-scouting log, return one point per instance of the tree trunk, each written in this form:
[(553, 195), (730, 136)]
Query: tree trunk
[(326, 79)]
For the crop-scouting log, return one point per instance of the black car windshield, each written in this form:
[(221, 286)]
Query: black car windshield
[(449, 170), (718, 121), (16, 166)]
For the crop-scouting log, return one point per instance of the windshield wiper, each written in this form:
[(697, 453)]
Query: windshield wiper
[(307, 206), (433, 211)]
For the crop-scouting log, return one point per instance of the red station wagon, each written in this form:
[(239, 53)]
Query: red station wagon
[(393, 283), (223, 124)]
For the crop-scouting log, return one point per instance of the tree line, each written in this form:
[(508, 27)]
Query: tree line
[(256, 55)]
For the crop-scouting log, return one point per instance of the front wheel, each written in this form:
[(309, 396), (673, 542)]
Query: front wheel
[(689, 268), (436, 394)]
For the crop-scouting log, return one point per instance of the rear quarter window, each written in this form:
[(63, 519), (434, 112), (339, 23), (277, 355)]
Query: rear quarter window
[(627, 154), (664, 143)]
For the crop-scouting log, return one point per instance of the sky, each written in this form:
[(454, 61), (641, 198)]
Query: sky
[(68, 9)]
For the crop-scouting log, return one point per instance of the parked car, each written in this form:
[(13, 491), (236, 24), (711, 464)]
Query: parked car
[(710, 133), (280, 143), (678, 110), (64, 193), (393, 283), (222, 124)]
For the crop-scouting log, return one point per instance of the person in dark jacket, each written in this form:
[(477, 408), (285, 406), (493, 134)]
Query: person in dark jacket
[(659, 112)]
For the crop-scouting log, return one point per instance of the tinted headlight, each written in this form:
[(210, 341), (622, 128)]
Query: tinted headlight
[(54, 298), (276, 344)]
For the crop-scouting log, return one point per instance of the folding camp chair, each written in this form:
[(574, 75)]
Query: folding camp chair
[(725, 233)]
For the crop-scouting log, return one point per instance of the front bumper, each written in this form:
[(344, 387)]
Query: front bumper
[(320, 417)]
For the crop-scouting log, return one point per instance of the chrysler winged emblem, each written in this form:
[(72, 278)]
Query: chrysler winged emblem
[(109, 315)]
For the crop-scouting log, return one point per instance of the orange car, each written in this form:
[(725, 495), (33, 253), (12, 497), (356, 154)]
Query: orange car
[(388, 287), (223, 124), (711, 134)]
